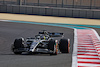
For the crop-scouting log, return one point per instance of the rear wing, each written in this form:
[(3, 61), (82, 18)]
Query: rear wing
[(56, 34)]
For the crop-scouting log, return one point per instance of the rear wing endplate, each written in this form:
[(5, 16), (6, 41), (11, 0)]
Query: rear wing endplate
[(56, 34)]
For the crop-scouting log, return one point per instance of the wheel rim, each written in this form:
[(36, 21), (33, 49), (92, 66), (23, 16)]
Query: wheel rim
[(56, 46), (68, 45)]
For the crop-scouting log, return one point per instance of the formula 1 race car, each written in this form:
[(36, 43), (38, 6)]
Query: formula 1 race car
[(42, 43)]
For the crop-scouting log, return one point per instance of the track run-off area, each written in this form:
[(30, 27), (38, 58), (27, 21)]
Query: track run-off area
[(84, 48)]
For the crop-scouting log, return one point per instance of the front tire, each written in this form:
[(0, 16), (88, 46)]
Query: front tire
[(18, 44), (17, 52)]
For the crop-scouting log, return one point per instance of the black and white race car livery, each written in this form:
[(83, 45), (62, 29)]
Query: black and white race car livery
[(42, 43)]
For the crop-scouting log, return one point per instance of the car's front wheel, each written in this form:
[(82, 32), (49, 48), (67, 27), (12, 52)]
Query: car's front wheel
[(18, 44)]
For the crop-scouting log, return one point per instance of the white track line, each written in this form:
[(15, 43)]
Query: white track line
[(74, 56), (92, 65)]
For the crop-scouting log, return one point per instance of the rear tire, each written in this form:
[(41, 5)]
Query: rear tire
[(51, 46), (64, 46)]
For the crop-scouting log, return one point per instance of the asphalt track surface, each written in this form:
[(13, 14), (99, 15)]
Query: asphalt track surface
[(9, 31)]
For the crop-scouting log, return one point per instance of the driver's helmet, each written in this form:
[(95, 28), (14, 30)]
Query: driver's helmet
[(43, 37)]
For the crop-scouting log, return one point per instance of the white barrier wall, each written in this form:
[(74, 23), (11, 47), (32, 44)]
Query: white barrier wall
[(47, 11)]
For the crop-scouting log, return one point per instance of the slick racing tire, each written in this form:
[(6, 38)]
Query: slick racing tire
[(52, 46), (17, 52), (17, 45), (64, 46), (13, 49)]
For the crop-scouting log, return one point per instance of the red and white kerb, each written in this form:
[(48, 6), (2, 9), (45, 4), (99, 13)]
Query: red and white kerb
[(86, 52)]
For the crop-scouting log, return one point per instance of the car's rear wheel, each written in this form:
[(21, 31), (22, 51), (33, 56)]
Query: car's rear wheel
[(64, 45), (52, 46)]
